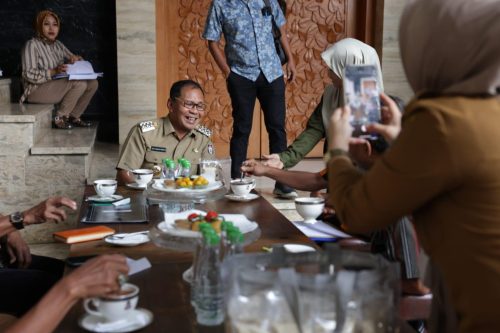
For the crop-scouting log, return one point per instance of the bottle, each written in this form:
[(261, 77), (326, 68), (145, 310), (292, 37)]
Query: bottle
[(208, 288), (168, 171), (185, 168)]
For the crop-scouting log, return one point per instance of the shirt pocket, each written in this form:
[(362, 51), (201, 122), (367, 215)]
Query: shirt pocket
[(154, 157)]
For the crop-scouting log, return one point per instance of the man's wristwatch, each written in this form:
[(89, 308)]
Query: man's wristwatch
[(17, 220)]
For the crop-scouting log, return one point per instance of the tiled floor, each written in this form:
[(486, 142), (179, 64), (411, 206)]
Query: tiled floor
[(103, 166)]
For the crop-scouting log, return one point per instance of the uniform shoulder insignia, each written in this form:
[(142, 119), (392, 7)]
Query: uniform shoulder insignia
[(148, 125), (204, 130)]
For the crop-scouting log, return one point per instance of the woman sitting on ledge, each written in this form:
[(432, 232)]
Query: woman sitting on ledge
[(43, 57)]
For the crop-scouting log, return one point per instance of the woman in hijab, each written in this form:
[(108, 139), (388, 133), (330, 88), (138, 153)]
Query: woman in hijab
[(444, 166), (347, 51), (43, 57)]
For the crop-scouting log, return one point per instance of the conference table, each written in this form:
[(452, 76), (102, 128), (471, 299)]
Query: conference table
[(162, 288)]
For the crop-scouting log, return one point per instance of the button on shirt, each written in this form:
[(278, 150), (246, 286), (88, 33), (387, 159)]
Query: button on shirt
[(248, 33), (146, 146)]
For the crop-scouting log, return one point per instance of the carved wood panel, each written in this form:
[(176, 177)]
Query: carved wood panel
[(312, 26)]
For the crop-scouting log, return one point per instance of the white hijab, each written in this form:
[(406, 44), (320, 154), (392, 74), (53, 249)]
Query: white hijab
[(348, 51)]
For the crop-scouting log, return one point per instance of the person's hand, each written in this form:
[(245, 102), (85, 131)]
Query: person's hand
[(273, 160), (340, 130), (252, 167), (59, 69), (290, 71), (391, 120), (18, 250), (96, 277), (50, 209), (74, 58), (360, 151)]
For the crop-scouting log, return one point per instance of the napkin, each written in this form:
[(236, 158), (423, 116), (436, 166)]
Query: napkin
[(136, 266)]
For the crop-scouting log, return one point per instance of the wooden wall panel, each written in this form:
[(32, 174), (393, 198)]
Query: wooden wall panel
[(312, 26)]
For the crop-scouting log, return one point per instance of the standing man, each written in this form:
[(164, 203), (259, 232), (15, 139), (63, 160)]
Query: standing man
[(177, 135), (252, 70)]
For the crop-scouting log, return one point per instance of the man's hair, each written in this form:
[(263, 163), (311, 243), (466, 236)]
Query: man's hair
[(175, 90)]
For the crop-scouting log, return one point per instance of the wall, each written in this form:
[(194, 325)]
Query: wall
[(136, 47), (394, 77)]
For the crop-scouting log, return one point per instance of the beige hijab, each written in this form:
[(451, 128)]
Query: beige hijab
[(348, 51), (452, 46)]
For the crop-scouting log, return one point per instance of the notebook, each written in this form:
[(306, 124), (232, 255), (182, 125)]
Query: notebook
[(83, 234), (131, 213)]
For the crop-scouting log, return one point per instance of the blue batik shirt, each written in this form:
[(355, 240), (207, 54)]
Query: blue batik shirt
[(248, 33)]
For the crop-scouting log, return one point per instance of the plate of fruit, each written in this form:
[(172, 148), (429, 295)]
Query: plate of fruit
[(187, 223), (186, 184)]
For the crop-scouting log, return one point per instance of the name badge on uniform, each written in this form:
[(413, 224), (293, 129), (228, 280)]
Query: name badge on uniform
[(160, 149), (210, 149), (147, 126)]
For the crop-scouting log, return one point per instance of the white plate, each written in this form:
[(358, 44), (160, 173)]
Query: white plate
[(111, 198), (136, 186), (168, 226), (242, 198), (159, 185), (298, 248), (127, 241), (139, 318)]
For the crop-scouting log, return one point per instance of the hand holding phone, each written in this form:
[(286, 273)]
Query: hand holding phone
[(361, 93)]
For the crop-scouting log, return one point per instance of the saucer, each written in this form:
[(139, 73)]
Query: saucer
[(139, 318), (298, 248), (242, 198), (136, 186), (127, 241), (111, 198)]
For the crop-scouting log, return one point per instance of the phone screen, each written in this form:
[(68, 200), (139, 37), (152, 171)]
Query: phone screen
[(362, 94)]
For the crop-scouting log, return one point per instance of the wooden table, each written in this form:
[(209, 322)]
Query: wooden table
[(163, 291)]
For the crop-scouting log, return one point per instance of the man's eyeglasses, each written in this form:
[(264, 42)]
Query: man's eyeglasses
[(192, 105)]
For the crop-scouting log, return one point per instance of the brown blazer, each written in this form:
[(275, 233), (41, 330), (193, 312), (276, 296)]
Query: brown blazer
[(444, 169)]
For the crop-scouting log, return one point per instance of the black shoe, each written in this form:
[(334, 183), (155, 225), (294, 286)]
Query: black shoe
[(78, 122), (62, 122), (284, 191)]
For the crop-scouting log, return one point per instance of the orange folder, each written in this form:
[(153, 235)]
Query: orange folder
[(83, 234)]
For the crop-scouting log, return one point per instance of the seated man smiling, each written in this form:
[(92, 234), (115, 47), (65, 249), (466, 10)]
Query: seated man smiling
[(178, 135)]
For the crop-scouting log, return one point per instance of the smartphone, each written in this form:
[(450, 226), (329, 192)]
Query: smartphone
[(78, 260), (362, 94)]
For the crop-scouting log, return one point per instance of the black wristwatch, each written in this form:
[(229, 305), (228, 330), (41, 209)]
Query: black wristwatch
[(17, 220)]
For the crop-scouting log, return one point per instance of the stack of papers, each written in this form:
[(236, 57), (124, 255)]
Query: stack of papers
[(321, 231), (80, 70)]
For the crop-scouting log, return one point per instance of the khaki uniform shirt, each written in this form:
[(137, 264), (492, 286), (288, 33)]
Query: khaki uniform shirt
[(445, 168), (151, 141)]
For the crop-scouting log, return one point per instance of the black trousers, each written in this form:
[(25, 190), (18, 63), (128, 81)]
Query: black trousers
[(20, 289), (243, 93)]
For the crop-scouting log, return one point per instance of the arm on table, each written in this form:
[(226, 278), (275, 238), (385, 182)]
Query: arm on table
[(96, 277)]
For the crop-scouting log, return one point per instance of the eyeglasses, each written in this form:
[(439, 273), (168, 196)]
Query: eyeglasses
[(192, 105)]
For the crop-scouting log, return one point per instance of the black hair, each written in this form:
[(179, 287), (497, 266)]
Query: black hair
[(175, 90)]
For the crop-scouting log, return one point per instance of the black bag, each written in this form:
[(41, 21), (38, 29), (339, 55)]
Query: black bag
[(277, 37)]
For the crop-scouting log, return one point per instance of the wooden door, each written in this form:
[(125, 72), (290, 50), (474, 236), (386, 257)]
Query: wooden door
[(312, 26)]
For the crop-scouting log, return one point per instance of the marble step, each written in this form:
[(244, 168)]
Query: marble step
[(22, 124), (61, 157), (75, 141), (4, 91)]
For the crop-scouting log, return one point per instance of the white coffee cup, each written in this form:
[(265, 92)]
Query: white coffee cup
[(116, 306), (142, 176), (309, 208), (242, 187), (105, 187)]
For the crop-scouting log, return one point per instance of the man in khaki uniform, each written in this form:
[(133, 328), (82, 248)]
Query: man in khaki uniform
[(174, 136)]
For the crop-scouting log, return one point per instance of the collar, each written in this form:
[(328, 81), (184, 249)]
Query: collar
[(168, 128)]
